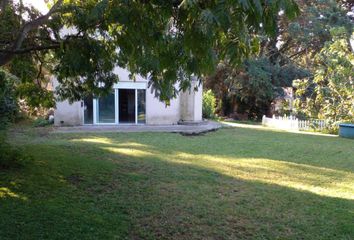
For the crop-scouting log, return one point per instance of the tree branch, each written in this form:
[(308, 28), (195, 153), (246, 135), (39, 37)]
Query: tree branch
[(297, 53), (39, 69), (5, 58), (30, 49)]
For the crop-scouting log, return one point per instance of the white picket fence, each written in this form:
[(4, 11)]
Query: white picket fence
[(292, 123)]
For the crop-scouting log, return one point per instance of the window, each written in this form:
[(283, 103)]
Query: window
[(88, 110), (141, 106), (106, 109)]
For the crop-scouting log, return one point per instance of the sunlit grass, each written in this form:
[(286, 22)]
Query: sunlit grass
[(7, 193), (318, 180), (129, 151), (322, 181), (93, 140)]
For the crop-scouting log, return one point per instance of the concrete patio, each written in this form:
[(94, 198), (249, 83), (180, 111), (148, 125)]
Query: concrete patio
[(195, 129)]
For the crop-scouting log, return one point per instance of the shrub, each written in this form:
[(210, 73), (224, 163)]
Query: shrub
[(9, 156), (209, 104), (41, 122), (8, 101)]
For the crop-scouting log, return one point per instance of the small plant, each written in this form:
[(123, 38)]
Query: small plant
[(41, 122), (209, 104)]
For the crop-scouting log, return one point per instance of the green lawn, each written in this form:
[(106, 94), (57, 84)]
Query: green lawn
[(235, 183)]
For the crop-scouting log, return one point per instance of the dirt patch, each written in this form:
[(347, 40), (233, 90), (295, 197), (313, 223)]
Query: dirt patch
[(195, 134), (75, 179)]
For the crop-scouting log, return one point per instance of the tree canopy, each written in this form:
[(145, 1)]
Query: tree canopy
[(165, 41), (330, 94), (288, 55)]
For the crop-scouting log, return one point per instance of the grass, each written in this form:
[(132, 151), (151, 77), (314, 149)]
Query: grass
[(236, 183)]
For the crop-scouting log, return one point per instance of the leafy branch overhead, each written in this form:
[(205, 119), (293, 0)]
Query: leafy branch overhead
[(166, 41)]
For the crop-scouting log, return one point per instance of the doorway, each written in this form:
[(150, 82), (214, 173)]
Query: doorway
[(127, 106)]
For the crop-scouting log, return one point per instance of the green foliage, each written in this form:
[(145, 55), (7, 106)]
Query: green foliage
[(33, 81), (9, 156), (8, 101), (307, 34), (251, 88), (35, 95), (30, 68), (209, 104), (165, 41), (41, 122), (287, 55), (330, 94)]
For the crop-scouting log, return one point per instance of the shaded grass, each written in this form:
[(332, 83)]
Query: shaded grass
[(233, 183)]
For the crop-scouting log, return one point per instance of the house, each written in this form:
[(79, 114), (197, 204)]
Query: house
[(130, 102)]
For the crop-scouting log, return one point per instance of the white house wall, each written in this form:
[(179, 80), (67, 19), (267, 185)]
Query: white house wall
[(67, 114), (158, 113), (198, 104), (191, 103)]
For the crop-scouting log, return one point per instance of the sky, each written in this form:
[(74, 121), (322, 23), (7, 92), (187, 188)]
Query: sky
[(38, 4)]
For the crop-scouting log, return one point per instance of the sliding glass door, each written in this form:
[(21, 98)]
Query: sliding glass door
[(121, 106)]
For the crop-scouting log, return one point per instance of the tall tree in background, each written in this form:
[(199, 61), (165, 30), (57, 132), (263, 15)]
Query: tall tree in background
[(284, 57), (330, 94)]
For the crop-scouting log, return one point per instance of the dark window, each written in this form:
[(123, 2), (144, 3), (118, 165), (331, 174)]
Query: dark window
[(88, 110), (126, 105)]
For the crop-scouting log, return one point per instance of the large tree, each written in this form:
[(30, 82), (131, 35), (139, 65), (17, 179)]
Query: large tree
[(330, 94), (285, 56), (81, 41)]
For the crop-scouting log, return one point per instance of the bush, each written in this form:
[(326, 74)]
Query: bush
[(41, 122), (209, 104), (8, 101), (10, 157)]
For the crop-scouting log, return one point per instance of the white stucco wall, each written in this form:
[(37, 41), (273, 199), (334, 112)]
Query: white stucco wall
[(158, 113), (198, 103), (191, 103), (67, 114)]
